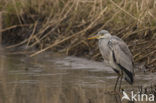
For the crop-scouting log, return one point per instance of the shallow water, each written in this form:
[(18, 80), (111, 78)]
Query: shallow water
[(50, 78)]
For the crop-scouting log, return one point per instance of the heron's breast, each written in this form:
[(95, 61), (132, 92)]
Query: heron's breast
[(104, 49)]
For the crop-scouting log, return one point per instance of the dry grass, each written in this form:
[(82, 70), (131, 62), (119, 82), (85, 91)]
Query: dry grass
[(64, 25)]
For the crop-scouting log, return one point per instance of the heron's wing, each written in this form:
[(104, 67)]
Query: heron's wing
[(122, 54), (123, 47)]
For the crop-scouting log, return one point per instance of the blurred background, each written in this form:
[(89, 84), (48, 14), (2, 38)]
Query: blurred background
[(64, 25)]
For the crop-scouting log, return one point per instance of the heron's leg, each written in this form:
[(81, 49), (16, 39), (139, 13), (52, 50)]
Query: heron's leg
[(116, 82), (121, 80)]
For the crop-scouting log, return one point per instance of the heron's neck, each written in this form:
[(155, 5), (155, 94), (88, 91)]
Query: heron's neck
[(108, 35), (104, 39)]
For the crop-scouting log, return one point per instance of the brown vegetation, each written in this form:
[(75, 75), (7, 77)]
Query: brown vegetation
[(64, 25)]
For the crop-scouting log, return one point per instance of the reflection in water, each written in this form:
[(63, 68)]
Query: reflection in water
[(47, 79)]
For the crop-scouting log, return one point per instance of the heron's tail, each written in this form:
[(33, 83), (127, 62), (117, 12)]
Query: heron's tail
[(127, 75)]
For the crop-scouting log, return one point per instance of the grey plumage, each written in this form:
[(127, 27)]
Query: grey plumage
[(116, 54)]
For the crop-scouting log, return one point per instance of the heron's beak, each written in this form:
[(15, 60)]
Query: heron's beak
[(94, 37)]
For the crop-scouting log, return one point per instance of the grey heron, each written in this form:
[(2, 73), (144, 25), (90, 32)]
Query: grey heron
[(117, 55)]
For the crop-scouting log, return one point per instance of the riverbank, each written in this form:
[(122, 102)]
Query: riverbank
[(64, 26)]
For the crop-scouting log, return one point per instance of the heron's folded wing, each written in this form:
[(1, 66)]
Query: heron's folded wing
[(123, 46), (122, 54)]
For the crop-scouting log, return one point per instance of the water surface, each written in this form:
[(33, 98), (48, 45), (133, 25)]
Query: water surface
[(50, 78)]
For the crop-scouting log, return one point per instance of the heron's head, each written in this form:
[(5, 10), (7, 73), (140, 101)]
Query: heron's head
[(101, 35)]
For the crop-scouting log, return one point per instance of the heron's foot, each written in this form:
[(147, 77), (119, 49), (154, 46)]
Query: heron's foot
[(120, 90)]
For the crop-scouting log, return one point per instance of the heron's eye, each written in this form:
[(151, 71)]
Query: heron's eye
[(102, 34)]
